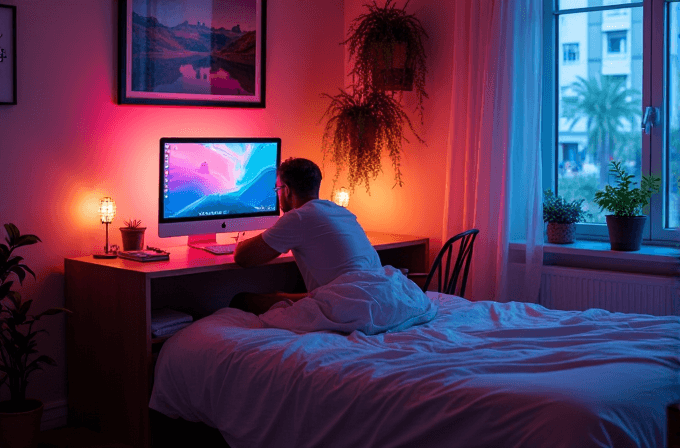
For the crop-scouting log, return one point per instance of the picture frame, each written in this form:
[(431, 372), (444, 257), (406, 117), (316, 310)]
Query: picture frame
[(192, 52), (8, 54)]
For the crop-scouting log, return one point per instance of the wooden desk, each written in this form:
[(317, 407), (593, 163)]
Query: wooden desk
[(110, 351)]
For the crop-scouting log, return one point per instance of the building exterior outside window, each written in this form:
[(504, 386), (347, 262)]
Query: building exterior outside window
[(599, 96)]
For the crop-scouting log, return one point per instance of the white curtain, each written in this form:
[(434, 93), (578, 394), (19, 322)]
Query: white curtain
[(493, 180)]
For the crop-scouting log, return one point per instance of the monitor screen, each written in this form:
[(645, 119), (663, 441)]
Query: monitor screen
[(213, 185)]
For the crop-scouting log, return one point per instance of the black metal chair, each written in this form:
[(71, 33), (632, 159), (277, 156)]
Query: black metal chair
[(448, 273)]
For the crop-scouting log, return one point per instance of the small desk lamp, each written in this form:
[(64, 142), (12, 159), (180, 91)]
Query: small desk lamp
[(107, 210), (341, 197)]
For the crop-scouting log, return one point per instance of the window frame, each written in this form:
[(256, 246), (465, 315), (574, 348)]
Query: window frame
[(652, 95)]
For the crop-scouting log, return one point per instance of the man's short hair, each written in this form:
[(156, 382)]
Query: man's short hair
[(301, 175)]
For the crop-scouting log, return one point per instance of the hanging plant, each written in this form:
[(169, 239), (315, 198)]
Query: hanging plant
[(386, 45), (359, 127)]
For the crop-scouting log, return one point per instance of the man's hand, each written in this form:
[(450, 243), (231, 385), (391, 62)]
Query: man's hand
[(254, 251)]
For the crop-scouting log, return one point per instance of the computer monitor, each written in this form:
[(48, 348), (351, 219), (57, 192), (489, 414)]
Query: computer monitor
[(215, 185)]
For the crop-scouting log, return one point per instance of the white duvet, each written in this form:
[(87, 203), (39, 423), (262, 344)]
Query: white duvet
[(370, 301), (482, 374)]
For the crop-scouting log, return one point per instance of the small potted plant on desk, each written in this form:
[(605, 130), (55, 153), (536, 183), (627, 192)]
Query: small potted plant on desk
[(133, 235), (19, 417), (627, 222), (561, 217)]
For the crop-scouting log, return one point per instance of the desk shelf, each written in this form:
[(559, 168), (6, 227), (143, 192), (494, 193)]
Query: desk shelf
[(110, 350)]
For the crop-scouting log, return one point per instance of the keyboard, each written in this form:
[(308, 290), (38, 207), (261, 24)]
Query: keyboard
[(220, 249)]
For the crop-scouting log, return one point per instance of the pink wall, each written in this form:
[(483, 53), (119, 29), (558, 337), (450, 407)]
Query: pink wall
[(67, 143)]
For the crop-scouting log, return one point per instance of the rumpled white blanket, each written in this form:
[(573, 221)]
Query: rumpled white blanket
[(371, 301), (478, 375)]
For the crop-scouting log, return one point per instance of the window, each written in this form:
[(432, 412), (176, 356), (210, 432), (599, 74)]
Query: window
[(594, 105), (570, 53), (616, 42)]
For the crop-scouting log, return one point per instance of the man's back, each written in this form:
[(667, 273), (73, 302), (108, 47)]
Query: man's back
[(326, 241)]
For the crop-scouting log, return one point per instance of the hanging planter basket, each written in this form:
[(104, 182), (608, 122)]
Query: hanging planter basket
[(394, 70), (386, 47)]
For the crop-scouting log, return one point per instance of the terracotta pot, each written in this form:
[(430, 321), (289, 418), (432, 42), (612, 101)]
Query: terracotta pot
[(20, 429), (133, 239), (561, 233), (625, 232)]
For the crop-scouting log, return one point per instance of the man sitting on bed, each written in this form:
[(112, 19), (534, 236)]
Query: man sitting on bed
[(326, 239)]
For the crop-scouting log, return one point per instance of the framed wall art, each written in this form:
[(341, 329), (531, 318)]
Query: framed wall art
[(8, 54), (192, 52)]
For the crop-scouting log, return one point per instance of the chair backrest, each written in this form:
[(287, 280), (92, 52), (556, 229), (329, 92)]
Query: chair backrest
[(447, 273)]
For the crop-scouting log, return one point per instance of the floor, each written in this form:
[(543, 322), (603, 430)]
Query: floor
[(75, 438)]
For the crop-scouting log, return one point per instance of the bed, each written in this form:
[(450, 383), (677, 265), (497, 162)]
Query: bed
[(478, 374)]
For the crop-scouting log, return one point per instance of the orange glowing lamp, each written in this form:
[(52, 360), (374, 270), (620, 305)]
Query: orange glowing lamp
[(107, 211), (342, 197)]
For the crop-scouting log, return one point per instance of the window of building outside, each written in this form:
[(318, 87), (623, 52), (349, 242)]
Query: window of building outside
[(594, 106), (570, 53), (616, 42)]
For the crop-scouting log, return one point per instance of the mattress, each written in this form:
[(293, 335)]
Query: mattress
[(480, 374)]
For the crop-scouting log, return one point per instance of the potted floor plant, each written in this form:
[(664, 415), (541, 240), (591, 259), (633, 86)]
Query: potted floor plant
[(561, 217), (626, 203), (19, 416), (133, 235), (360, 127), (386, 46)]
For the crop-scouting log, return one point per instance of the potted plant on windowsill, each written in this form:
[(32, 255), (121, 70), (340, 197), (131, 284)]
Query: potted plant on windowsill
[(627, 221), (561, 217), (19, 416), (133, 234)]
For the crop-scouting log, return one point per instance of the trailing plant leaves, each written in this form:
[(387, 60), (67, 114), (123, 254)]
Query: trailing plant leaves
[(359, 128), (372, 36)]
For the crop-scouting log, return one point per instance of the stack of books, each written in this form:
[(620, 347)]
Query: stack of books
[(144, 255), (166, 321)]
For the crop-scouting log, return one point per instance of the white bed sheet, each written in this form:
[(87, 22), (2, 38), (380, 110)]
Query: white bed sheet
[(481, 374)]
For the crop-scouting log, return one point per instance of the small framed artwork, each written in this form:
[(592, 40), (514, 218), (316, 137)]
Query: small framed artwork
[(192, 52), (8, 54)]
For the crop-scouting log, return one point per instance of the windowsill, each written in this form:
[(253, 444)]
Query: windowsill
[(657, 260)]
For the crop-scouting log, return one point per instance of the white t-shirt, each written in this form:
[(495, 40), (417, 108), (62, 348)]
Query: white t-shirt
[(326, 241)]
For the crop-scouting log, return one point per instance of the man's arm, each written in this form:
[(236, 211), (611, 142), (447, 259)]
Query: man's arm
[(254, 251)]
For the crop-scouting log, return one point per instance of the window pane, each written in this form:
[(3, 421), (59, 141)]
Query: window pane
[(599, 101), (673, 106), (576, 4)]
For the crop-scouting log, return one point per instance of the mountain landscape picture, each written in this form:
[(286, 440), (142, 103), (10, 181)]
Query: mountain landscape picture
[(193, 47)]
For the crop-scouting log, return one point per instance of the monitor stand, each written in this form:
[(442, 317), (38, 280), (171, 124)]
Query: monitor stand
[(201, 241)]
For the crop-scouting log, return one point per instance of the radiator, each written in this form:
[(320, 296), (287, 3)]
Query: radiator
[(580, 289)]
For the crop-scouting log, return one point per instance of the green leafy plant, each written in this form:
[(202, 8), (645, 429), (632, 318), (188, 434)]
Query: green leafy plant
[(373, 44), (132, 223), (18, 353), (359, 127), (623, 200), (556, 209)]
